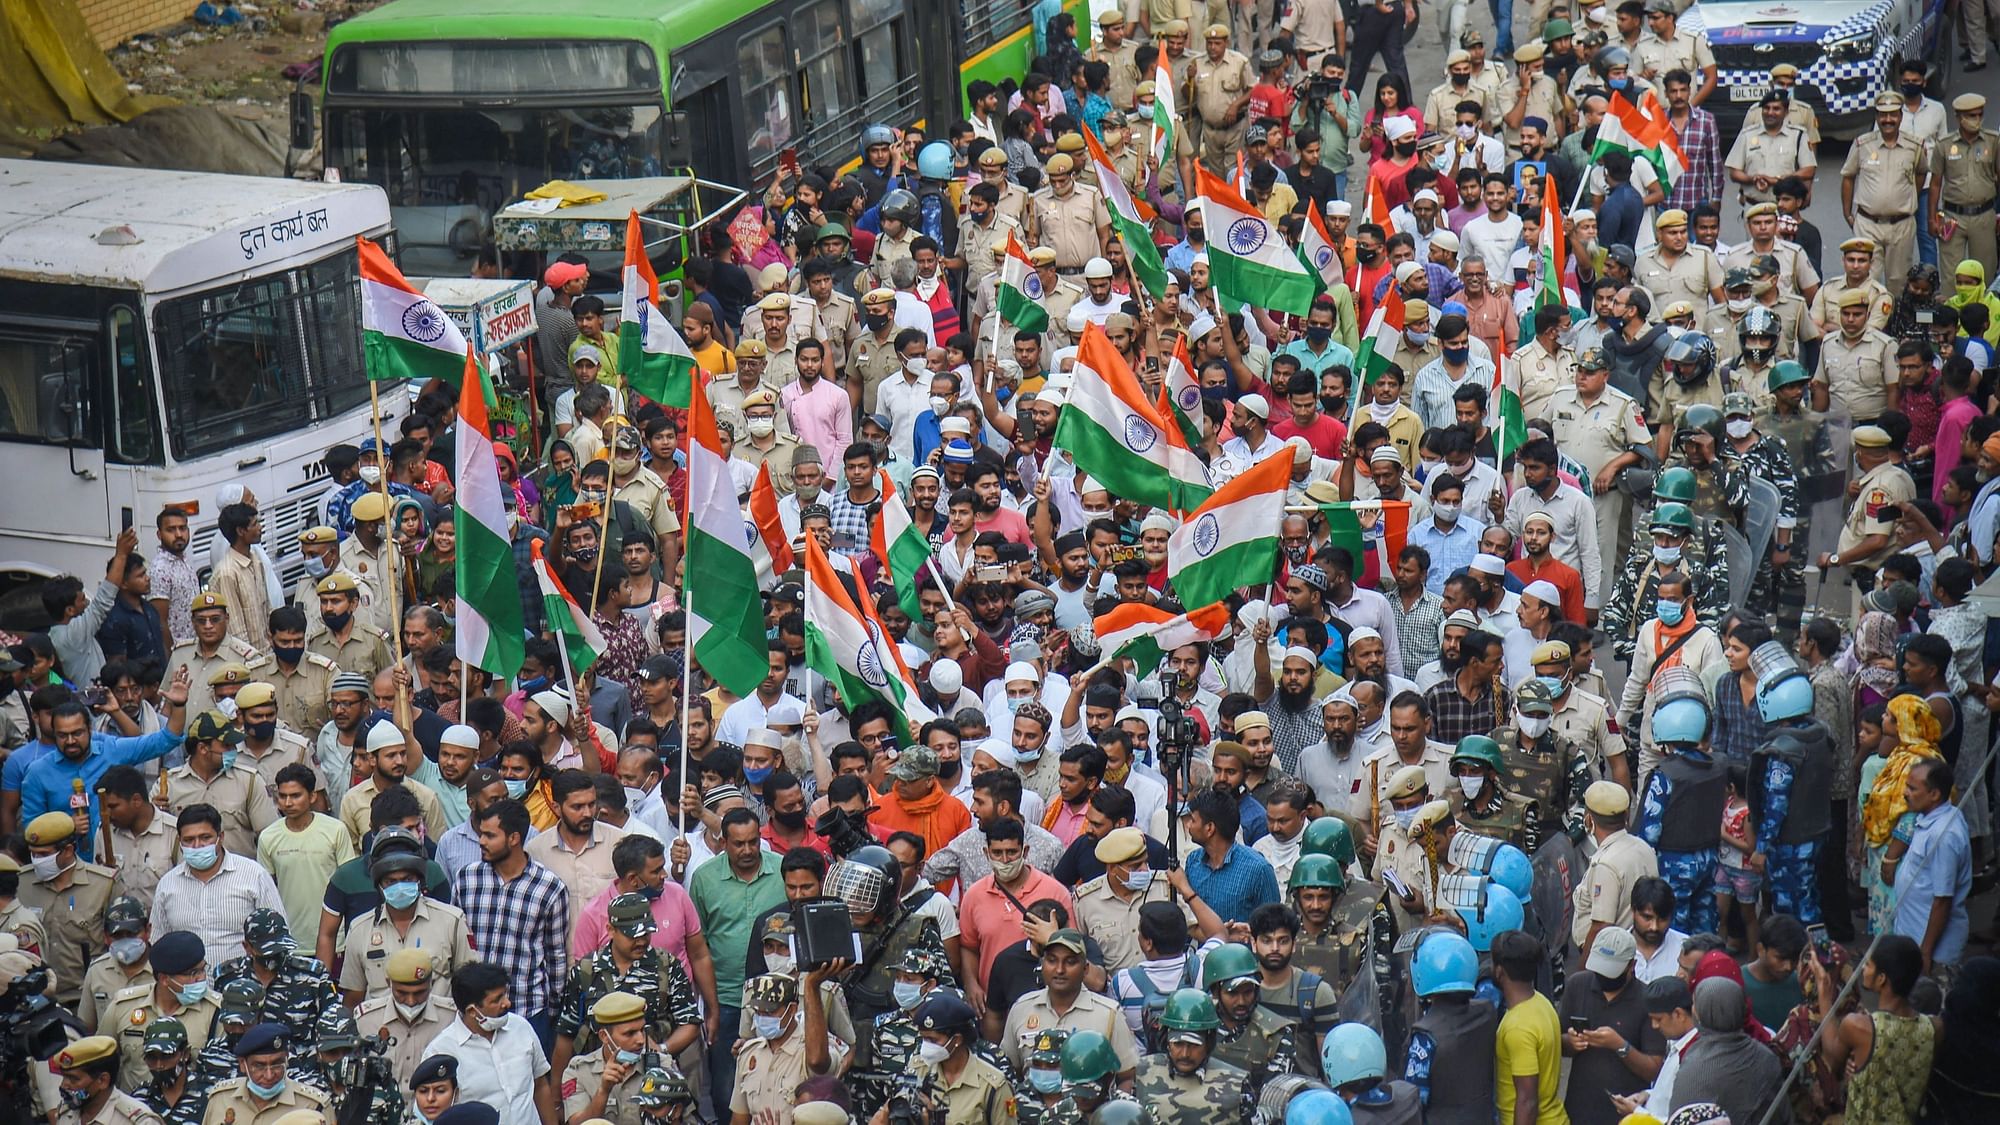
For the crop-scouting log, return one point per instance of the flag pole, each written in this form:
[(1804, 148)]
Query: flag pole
[(604, 527), (687, 696), (389, 536), (931, 561)]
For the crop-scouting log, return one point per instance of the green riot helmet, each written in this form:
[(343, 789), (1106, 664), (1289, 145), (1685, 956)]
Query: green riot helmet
[(1674, 519), (1676, 484), (1787, 372), (1087, 1056), (1328, 836), (1699, 418), (1226, 965), (1316, 871), (1480, 749), (1190, 1009)]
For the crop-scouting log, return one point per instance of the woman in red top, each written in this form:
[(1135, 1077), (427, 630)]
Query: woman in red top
[(1392, 99)]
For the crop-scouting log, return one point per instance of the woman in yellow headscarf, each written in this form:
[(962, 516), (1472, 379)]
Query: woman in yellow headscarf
[(1911, 731), (1969, 288)]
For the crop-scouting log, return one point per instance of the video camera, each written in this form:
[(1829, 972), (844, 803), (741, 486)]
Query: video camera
[(31, 1028)]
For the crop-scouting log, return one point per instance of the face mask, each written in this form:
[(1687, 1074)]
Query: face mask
[(1319, 334), (1666, 556), (629, 1058), (411, 1012), (1366, 255), (1739, 305), (790, 821), (939, 405), (762, 427), (1911, 89), (488, 1023), (907, 994), (1534, 726), (916, 365), (1467, 132), (625, 465), (1614, 323), (1762, 287), (1027, 757), (288, 654), (262, 732), (1670, 612), (1008, 872), (335, 622), (402, 895), (1472, 785), (1556, 685), (585, 555), (76, 1099), (189, 994), (1044, 1080), (315, 566), (1418, 339), (876, 322), (757, 776), (1457, 356), (1737, 427), (228, 760), (766, 1027), (1296, 554), (1138, 880), (779, 962), (371, 475), (651, 894), (1619, 83), (1406, 148), (932, 1053), (516, 787), (47, 866), (1446, 513), (201, 858), (129, 951), (1405, 818)]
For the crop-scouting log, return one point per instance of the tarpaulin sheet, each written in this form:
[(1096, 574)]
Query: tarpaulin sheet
[(54, 78)]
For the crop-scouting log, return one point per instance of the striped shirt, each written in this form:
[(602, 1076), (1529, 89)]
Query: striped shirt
[(522, 925)]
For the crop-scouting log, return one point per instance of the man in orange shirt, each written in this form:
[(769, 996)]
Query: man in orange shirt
[(917, 803), (990, 911)]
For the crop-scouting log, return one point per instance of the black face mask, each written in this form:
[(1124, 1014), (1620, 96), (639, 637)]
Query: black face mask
[(1366, 255), (876, 322), (335, 622), (1406, 148), (949, 770), (790, 821)]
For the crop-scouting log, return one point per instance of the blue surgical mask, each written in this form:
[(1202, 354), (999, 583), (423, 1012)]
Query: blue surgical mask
[(1666, 556), (1555, 685), (1670, 612), (1021, 756), (401, 895), (191, 993), (315, 566), (766, 1027), (1014, 705), (228, 760), (202, 858), (129, 951), (907, 994), (516, 787), (265, 1092), (629, 1058), (1613, 323), (1405, 818), (1456, 356), (757, 776), (530, 687), (1138, 880), (1045, 1080)]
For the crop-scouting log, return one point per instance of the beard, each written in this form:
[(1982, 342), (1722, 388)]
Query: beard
[(1450, 661), (1295, 700), (1341, 745)]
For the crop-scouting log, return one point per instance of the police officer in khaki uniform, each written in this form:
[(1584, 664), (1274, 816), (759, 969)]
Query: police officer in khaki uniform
[(1222, 79), (70, 895), (597, 1084), (122, 966), (211, 649), (770, 1068), (235, 788), (1857, 365), (89, 1069), (975, 1091), (873, 357), (1675, 270), (1857, 260), (1532, 94), (1767, 150), (18, 919), (1069, 217), (1013, 198), (1868, 537), (179, 989), (145, 841), (1878, 189), (268, 749), (1107, 909), (371, 564), (836, 317), (1785, 78), (1119, 53), (364, 649), (321, 546), (982, 236), (1965, 177), (781, 365), (1603, 428), (1444, 97), (300, 690), (410, 1010), (1059, 295), (1604, 896), (261, 1054), (437, 931), (1795, 271), (1672, 47)]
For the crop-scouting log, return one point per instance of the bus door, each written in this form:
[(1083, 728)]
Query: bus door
[(936, 35), (50, 375)]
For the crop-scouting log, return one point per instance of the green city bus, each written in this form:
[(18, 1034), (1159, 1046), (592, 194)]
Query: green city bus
[(458, 107)]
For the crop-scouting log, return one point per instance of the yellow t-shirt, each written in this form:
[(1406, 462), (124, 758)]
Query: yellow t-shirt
[(714, 358), (1530, 1042), (301, 863)]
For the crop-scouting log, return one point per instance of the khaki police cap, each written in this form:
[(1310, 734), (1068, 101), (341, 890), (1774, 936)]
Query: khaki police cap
[(1677, 308), (775, 302), (369, 507), (750, 349), (762, 396), (1432, 813), (1061, 164), (1969, 103), (1888, 102), (1674, 217), (1144, 88), (50, 828), (1071, 143), (1112, 18), (256, 693), (1548, 652), (1852, 298), (1121, 845), (1459, 56), (9, 863), (314, 536), (1042, 256), (410, 966), (1756, 209), (879, 295), (1784, 70), (1859, 243), (1607, 798), (208, 599), (231, 673), (1871, 437), (993, 158), (337, 583), (1407, 782), (1174, 27), (1531, 51), (1216, 31), (85, 1051), (616, 1008)]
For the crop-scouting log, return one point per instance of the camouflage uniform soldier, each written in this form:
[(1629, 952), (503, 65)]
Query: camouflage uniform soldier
[(1542, 766), (1251, 1039), (630, 965), (1765, 457), (890, 1042), (1483, 806), (1039, 1088), (1677, 485), (1345, 930), (1722, 492), (1632, 598), (1186, 1085), (297, 988), (174, 1093), (240, 1006), (1089, 1079), (664, 1095), (346, 1073)]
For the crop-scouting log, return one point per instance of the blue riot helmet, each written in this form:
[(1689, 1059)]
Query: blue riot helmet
[(1680, 722), (1318, 1107), (1445, 962), (1353, 1053), (1510, 868), (934, 161), (1501, 911), (1788, 698)]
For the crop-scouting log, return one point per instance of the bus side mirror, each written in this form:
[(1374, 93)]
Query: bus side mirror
[(302, 119), (677, 144)]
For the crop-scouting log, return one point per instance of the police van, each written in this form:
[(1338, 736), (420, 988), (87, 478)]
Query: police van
[(1846, 52)]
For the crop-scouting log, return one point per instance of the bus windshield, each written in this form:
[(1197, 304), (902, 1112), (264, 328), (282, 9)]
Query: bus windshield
[(260, 358)]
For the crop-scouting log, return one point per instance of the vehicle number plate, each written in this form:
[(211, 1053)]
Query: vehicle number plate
[(1747, 93)]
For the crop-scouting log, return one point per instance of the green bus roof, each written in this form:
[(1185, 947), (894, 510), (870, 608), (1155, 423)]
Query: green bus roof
[(666, 24)]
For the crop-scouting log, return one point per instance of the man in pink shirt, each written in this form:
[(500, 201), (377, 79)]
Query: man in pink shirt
[(1958, 413), (985, 479), (1080, 772), (989, 912), (822, 414), (639, 864)]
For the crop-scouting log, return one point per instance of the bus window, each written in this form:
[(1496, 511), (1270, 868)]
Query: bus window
[(134, 430), (766, 65), (43, 387), (829, 88), (875, 31)]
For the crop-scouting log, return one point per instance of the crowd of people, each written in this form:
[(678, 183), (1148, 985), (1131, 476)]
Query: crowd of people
[(1541, 765)]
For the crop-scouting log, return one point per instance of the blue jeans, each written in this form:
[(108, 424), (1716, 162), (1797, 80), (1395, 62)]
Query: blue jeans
[(722, 1060), (1340, 184), (1503, 26), (1927, 243), (544, 1024)]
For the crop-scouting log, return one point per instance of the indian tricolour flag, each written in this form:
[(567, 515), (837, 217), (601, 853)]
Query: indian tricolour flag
[(1316, 246), (1350, 524), (404, 335), (1627, 129), (1165, 113), (771, 548), (581, 641), (1182, 391), (1141, 252), (1115, 435), (652, 357), (1247, 257), (1232, 539), (1019, 293), (902, 549), (488, 634), (1384, 327), (1147, 634), (725, 614), (846, 643)]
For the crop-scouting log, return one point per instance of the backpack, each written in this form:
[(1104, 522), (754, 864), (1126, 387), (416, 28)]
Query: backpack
[(1152, 1001), (1305, 999)]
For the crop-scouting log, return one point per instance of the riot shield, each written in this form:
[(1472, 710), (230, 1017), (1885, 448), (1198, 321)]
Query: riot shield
[(1742, 564), (1825, 476), (1558, 868), (1760, 517)]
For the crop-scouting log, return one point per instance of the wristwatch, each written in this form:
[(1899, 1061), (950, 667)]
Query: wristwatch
[(1624, 1050)]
